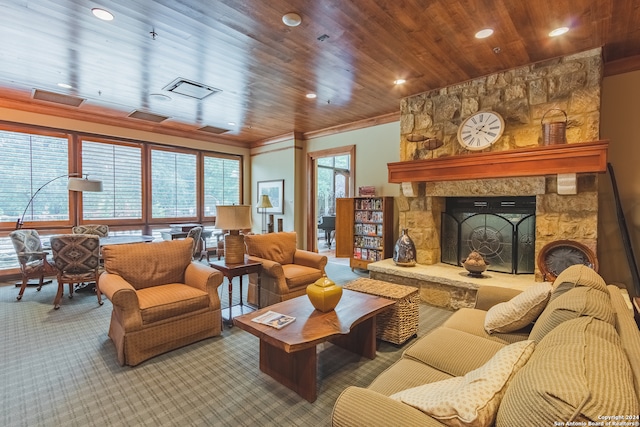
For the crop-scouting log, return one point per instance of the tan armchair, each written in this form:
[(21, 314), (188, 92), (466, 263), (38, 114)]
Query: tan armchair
[(161, 300), (286, 270)]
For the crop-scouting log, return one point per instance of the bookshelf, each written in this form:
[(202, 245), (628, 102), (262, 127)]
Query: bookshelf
[(364, 229)]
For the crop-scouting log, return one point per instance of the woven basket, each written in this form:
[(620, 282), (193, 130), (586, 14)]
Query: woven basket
[(399, 323)]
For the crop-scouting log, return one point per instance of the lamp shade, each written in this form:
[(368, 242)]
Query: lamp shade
[(235, 217), (265, 202), (84, 184)]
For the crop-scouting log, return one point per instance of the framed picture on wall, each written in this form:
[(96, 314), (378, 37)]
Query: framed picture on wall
[(275, 190)]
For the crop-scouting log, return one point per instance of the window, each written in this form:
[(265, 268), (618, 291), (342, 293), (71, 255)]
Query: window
[(30, 162), (119, 167), (173, 184), (221, 183)]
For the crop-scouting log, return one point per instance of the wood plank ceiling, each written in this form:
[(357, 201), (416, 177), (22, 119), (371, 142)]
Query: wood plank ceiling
[(348, 52)]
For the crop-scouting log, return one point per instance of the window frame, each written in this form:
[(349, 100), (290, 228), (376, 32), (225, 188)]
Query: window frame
[(71, 199)]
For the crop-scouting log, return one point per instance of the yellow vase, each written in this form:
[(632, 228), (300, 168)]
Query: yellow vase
[(324, 294)]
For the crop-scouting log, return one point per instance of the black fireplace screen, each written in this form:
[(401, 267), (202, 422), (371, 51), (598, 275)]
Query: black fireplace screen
[(502, 230)]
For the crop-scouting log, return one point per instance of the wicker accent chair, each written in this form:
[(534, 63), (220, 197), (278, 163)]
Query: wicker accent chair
[(161, 299), (33, 260), (77, 259), (286, 270), (99, 230)]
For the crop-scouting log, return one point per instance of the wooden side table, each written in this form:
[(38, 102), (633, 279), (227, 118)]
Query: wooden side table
[(238, 270)]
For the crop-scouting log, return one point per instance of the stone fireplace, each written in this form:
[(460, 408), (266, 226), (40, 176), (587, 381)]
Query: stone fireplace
[(517, 165)]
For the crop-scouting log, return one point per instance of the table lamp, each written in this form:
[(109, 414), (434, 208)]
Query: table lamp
[(233, 218), (264, 204)]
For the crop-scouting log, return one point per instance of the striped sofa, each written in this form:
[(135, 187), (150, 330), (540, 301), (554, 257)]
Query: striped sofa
[(585, 364), (161, 299)]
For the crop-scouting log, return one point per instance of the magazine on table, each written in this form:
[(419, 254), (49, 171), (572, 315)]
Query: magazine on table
[(273, 319)]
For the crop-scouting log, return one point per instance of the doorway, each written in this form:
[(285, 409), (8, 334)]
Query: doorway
[(331, 175)]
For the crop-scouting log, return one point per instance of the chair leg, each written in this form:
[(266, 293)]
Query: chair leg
[(56, 302), (22, 288), (98, 293), (70, 290), (40, 283)]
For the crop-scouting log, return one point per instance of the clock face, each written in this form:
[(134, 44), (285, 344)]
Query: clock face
[(480, 130)]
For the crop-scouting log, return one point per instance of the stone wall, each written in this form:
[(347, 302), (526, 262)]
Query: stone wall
[(521, 96)]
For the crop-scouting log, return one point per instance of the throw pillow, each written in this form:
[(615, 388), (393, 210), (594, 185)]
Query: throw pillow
[(471, 400), (519, 311)]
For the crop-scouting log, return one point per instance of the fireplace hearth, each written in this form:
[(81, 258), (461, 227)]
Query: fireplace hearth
[(501, 229)]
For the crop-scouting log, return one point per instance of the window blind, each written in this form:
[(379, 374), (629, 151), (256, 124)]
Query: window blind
[(221, 183), (173, 184), (119, 167)]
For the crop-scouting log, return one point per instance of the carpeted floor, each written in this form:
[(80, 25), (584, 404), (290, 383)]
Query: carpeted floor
[(59, 368)]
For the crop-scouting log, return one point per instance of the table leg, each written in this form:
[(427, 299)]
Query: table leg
[(295, 370), (230, 299), (361, 340)]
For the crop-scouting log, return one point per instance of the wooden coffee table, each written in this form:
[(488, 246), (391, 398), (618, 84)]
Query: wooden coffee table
[(289, 354)]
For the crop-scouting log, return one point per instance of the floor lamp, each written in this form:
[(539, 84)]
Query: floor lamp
[(265, 203), (74, 184), (233, 218)]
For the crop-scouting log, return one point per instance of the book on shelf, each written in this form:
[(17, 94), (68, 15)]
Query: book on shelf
[(274, 319)]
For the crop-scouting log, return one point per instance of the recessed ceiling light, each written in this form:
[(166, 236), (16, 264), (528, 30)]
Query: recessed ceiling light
[(483, 34), (103, 14), (559, 31), (311, 95), (65, 85), (399, 81), (160, 96), (231, 123), (292, 19)]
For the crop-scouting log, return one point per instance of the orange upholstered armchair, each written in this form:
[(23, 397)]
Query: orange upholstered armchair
[(161, 299), (286, 270)]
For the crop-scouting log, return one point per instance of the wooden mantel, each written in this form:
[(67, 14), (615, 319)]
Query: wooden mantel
[(577, 157)]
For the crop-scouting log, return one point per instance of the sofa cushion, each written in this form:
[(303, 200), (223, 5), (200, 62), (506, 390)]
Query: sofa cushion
[(406, 373), (577, 275), (278, 247), (519, 311), (471, 400), (163, 262), (576, 302), (299, 275), (448, 349), (170, 300), (471, 320), (578, 372)]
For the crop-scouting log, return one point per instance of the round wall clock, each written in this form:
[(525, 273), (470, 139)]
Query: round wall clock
[(480, 130)]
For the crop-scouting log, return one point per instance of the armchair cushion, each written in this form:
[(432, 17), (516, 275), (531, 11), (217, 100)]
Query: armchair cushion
[(166, 301), (277, 247), (162, 263), (299, 275)]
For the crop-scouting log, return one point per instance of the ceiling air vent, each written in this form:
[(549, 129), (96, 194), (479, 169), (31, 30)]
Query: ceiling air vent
[(150, 117), (213, 129), (58, 98), (191, 89)]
